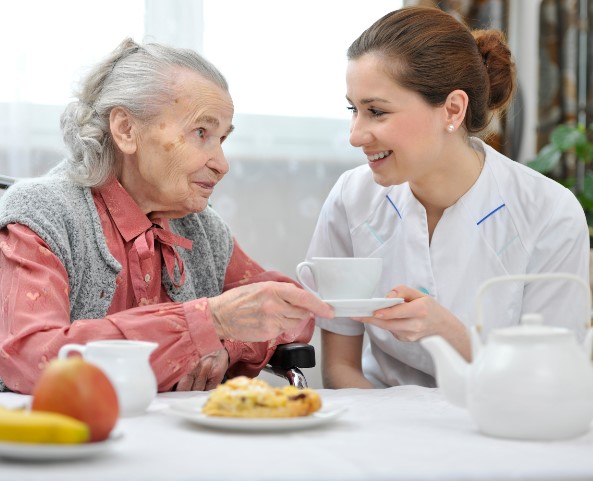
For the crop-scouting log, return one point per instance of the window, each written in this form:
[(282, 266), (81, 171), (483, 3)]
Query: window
[(46, 46), (287, 58), (285, 63)]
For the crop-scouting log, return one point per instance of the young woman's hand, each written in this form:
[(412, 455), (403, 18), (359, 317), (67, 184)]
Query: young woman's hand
[(420, 316)]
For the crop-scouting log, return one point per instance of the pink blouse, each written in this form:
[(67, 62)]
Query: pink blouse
[(35, 310)]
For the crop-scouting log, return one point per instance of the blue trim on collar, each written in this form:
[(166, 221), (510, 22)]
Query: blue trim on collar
[(391, 202), (488, 215)]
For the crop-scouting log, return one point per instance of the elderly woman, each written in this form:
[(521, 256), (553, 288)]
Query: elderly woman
[(118, 241)]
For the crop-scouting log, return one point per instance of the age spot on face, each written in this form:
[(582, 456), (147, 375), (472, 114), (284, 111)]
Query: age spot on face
[(163, 125), (168, 146)]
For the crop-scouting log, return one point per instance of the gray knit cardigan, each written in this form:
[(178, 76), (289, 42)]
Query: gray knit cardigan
[(63, 214)]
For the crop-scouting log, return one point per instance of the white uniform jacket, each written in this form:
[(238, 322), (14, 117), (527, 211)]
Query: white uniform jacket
[(513, 220)]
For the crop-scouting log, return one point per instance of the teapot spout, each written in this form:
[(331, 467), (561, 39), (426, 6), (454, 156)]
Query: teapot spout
[(451, 369)]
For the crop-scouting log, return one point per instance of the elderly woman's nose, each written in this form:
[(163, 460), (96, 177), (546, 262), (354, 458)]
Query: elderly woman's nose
[(219, 163)]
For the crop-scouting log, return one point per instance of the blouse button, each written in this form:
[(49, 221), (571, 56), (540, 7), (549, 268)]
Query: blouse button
[(147, 278)]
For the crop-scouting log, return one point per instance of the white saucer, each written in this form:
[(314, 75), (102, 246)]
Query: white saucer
[(57, 452), (362, 307)]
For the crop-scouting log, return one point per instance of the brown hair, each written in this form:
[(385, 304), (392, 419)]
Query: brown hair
[(430, 52)]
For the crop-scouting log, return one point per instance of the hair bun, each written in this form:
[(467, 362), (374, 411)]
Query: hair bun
[(499, 65)]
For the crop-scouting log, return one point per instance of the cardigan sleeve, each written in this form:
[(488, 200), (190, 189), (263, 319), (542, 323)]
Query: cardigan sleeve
[(35, 318)]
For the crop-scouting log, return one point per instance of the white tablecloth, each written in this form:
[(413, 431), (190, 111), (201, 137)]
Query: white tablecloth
[(407, 433)]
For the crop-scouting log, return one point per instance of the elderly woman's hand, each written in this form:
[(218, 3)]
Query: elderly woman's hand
[(207, 374), (264, 310)]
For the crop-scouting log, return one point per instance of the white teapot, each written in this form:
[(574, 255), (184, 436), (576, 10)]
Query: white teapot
[(529, 381)]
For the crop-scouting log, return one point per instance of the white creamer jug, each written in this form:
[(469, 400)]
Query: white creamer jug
[(126, 364)]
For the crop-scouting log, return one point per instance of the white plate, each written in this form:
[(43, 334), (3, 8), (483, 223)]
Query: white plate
[(361, 307), (56, 452), (191, 409)]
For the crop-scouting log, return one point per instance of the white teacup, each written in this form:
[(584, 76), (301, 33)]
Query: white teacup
[(126, 364), (342, 277)]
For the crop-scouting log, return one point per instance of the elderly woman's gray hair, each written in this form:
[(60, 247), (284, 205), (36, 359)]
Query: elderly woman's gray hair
[(134, 77)]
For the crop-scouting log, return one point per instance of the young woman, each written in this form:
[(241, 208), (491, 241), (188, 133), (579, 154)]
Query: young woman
[(444, 210)]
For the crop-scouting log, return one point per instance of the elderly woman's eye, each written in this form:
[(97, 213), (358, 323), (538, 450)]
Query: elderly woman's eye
[(201, 132)]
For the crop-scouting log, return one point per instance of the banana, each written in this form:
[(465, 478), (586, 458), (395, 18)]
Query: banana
[(22, 426)]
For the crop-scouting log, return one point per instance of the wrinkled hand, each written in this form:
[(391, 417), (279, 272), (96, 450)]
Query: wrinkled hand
[(207, 374), (419, 316), (264, 310)]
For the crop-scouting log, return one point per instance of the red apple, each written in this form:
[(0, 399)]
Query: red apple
[(79, 389)]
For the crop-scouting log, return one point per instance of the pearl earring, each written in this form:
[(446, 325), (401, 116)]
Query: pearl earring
[(450, 127)]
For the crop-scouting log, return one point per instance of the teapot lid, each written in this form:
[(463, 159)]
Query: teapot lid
[(532, 326)]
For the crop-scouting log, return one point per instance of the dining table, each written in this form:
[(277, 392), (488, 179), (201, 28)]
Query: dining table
[(399, 433)]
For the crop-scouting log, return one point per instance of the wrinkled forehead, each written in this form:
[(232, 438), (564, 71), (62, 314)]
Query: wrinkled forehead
[(193, 94)]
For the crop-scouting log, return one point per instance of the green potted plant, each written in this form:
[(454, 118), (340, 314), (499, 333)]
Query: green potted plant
[(573, 140)]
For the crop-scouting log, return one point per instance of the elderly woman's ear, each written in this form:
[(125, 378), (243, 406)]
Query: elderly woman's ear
[(123, 130)]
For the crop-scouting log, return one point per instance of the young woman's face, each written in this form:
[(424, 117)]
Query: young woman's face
[(400, 134), (179, 154)]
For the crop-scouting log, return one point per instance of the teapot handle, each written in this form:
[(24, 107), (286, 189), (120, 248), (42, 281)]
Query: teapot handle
[(527, 278)]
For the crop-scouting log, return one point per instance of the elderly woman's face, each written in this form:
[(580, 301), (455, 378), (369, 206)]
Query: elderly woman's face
[(179, 158)]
